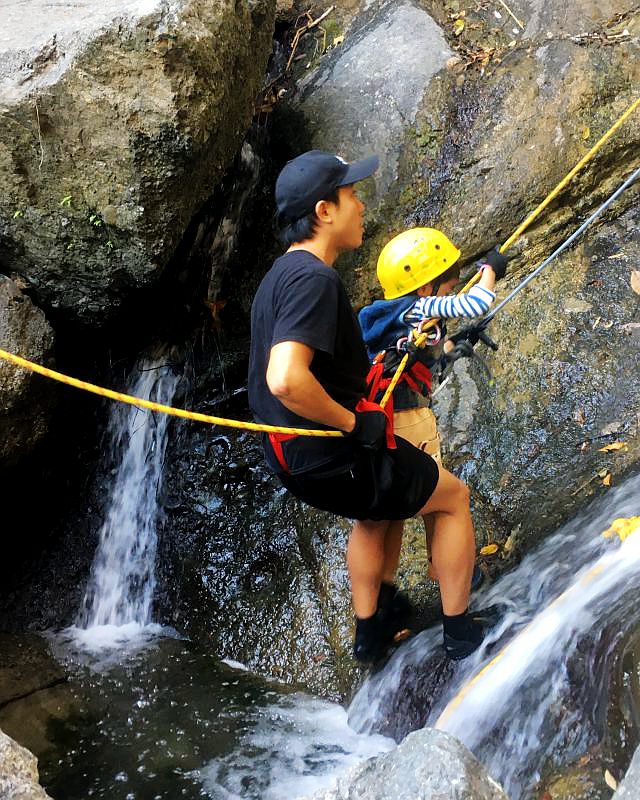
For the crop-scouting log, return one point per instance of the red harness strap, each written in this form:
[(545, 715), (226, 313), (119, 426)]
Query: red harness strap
[(416, 372), (276, 440)]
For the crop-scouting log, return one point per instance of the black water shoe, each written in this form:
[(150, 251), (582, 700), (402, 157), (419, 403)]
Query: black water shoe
[(464, 633), (394, 605), (373, 638)]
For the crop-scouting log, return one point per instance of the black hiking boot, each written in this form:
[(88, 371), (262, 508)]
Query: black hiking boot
[(373, 638), (464, 633), (394, 605)]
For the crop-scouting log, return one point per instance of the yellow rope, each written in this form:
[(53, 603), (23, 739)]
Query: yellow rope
[(621, 527), (148, 404), (419, 341), (253, 426)]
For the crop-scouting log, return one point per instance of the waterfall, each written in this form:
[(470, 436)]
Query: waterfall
[(543, 700), (122, 581)]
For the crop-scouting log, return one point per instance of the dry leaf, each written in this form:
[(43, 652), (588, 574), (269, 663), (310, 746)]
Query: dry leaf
[(458, 27), (579, 417), (613, 446), (611, 782), (623, 527), (595, 324), (606, 481), (488, 549), (584, 446), (338, 40), (508, 545), (635, 281), (586, 133)]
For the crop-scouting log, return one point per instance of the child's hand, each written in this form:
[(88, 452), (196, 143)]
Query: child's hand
[(497, 262)]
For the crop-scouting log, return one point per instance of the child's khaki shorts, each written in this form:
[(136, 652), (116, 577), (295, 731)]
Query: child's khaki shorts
[(418, 426)]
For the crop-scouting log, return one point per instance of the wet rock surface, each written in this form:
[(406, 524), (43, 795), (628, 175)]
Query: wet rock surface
[(26, 400), (429, 764), (117, 124), (565, 379), (247, 569)]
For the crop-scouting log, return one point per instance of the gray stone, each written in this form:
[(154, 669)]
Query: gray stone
[(18, 772), (361, 99), (629, 788), (428, 765), (26, 399), (117, 121)]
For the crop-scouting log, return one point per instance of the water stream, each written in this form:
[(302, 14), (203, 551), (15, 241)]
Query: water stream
[(147, 714), (122, 581), (544, 702)]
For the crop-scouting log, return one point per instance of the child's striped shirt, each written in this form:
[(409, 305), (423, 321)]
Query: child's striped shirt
[(473, 303)]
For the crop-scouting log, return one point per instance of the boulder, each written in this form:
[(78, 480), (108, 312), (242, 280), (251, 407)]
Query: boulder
[(26, 399), (18, 772), (117, 122), (428, 765)]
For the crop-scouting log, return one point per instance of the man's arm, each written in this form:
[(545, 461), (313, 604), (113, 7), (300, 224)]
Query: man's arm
[(292, 382)]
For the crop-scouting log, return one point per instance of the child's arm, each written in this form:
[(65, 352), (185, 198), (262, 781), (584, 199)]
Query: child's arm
[(473, 303)]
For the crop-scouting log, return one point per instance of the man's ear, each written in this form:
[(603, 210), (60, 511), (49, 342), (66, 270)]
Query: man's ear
[(323, 211), (424, 291)]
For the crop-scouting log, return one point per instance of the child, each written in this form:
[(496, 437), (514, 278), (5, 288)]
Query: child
[(418, 270)]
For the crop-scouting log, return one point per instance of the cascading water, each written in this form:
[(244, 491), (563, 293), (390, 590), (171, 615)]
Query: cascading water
[(122, 581), (543, 703)]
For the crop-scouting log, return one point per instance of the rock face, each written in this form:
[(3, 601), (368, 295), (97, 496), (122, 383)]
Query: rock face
[(471, 148), (18, 772), (118, 121), (428, 765), (26, 399)]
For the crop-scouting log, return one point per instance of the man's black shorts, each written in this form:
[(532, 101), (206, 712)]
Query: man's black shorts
[(390, 484)]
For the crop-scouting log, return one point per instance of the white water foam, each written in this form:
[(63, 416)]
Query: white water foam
[(291, 750)]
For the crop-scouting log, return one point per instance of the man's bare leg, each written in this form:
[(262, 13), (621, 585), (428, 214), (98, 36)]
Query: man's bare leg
[(366, 562), (429, 528), (453, 543), (392, 547)]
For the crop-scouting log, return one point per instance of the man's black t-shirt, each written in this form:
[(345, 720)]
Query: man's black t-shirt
[(301, 299)]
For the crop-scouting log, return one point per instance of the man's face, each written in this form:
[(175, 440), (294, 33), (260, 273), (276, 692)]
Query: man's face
[(347, 219)]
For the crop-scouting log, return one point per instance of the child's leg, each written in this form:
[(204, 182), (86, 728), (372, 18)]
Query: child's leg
[(366, 564), (453, 545), (392, 547), (419, 426)]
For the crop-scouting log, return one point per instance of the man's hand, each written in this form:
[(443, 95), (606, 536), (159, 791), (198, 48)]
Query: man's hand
[(497, 262), (370, 430)]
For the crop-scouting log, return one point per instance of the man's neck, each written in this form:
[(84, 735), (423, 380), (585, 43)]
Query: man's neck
[(319, 248)]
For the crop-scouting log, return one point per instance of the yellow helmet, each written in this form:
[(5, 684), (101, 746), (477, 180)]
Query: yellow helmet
[(413, 258)]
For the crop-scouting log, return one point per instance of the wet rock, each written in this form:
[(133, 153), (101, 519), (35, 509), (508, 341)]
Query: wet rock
[(117, 123), (245, 568), (531, 445), (26, 666), (429, 764), (18, 772), (26, 400)]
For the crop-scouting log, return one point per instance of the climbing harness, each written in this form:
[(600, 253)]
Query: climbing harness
[(620, 527), (419, 340)]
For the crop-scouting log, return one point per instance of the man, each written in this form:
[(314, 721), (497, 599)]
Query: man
[(308, 368)]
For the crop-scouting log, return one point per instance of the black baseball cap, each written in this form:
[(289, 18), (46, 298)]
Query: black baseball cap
[(313, 176)]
